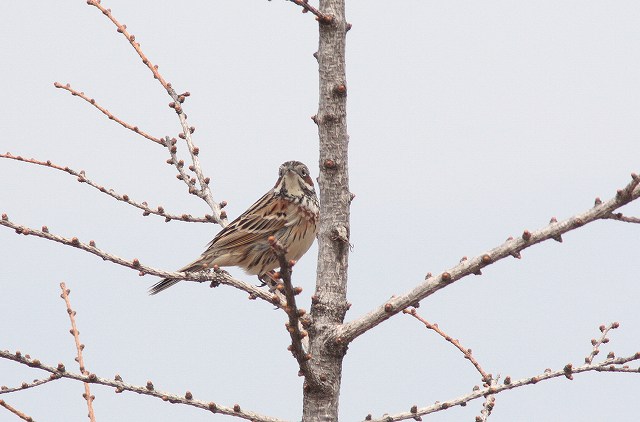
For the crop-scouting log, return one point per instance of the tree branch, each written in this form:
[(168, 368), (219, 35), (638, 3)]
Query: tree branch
[(621, 217), (26, 385), (148, 390), (512, 247), (603, 339), (82, 178), (204, 192), (216, 277), (609, 365), (487, 378), (107, 113), (79, 348), (294, 314), (16, 412), (466, 352), (306, 7)]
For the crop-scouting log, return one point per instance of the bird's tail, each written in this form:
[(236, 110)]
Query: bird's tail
[(165, 283), (162, 285)]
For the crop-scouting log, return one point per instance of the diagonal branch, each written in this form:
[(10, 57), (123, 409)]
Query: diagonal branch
[(107, 113), (216, 278), (621, 217), (79, 348), (512, 247), (26, 385), (603, 339), (82, 178), (148, 390), (487, 378), (15, 411), (466, 352), (306, 7)]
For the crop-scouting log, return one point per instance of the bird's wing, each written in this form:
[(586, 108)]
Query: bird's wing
[(264, 218)]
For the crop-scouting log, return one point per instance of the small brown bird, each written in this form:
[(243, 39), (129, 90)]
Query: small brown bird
[(289, 212)]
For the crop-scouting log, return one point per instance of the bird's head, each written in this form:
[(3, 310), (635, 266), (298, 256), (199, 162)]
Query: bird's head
[(294, 180)]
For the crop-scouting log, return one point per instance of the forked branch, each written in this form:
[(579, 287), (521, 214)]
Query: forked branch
[(611, 364), (204, 191)]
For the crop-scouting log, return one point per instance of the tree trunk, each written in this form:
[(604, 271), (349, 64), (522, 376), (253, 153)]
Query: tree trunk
[(329, 303)]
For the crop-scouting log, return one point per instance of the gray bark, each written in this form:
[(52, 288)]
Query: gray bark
[(329, 303)]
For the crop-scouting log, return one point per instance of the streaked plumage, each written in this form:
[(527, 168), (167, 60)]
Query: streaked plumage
[(289, 212)]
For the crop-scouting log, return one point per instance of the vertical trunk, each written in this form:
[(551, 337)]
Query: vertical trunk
[(329, 302)]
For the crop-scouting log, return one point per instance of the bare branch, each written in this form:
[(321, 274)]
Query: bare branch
[(466, 352), (204, 192), (605, 366), (79, 348), (216, 278), (487, 379), (621, 217), (26, 385), (107, 113), (306, 7), (603, 339), (294, 314), (82, 178), (15, 411), (148, 390), (488, 405), (512, 247)]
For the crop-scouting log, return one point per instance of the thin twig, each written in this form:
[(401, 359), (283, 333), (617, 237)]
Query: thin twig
[(148, 389), (488, 405), (82, 178), (170, 143), (215, 278), (487, 378), (107, 113), (512, 247), (26, 385), (294, 314), (306, 7), (603, 339), (79, 347), (621, 217), (466, 352), (15, 411)]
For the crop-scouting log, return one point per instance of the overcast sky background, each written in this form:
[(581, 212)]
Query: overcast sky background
[(469, 121)]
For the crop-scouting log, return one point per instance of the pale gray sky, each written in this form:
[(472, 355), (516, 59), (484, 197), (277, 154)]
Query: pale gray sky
[(469, 122)]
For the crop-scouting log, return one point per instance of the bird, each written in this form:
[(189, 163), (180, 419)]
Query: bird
[(289, 212)]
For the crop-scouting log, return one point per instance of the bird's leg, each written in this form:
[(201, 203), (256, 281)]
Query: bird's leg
[(268, 279)]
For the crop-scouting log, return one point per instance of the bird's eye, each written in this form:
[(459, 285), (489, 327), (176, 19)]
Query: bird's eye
[(303, 173)]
